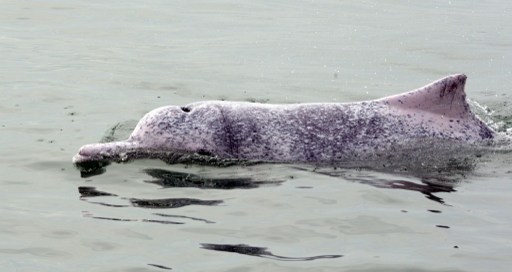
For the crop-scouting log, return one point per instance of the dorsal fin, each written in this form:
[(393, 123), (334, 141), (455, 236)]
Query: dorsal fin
[(445, 97)]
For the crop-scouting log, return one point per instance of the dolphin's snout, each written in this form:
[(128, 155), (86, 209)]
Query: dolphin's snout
[(103, 151), (90, 152), (89, 160), (84, 151)]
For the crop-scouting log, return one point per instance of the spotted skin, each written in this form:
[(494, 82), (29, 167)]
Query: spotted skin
[(312, 132)]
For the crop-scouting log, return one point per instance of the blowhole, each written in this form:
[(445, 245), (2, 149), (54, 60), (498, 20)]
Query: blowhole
[(185, 109)]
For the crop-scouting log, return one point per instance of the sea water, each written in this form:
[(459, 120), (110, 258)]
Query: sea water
[(70, 71)]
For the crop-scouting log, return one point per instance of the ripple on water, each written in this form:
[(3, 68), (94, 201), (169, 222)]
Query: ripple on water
[(38, 252)]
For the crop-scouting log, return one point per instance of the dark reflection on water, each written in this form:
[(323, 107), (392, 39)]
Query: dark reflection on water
[(110, 218), (160, 266), (162, 221), (89, 169), (185, 217), (113, 219), (427, 187), (165, 203), (133, 220), (89, 191), (261, 252), (434, 211), (166, 179), (108, 204), (170, 203)]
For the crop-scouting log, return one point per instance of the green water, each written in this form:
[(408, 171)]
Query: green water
[(71, 70)]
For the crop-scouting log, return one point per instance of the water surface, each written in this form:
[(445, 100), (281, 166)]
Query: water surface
[(71, 70)]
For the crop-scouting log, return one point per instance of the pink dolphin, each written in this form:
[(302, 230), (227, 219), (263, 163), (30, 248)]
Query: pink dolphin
[(309, 133)]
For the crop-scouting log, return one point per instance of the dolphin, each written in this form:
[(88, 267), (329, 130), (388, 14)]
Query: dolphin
[(304, 132)]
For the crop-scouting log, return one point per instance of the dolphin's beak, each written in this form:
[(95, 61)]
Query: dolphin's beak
[(114, 151)]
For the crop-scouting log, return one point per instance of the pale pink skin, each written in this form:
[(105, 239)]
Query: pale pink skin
[(440, 102), (300, 132)]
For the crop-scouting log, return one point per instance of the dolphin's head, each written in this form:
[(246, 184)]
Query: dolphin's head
[(183, 129), (162, 133)]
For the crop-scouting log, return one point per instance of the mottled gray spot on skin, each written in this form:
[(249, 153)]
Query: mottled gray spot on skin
[(315, 132)]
